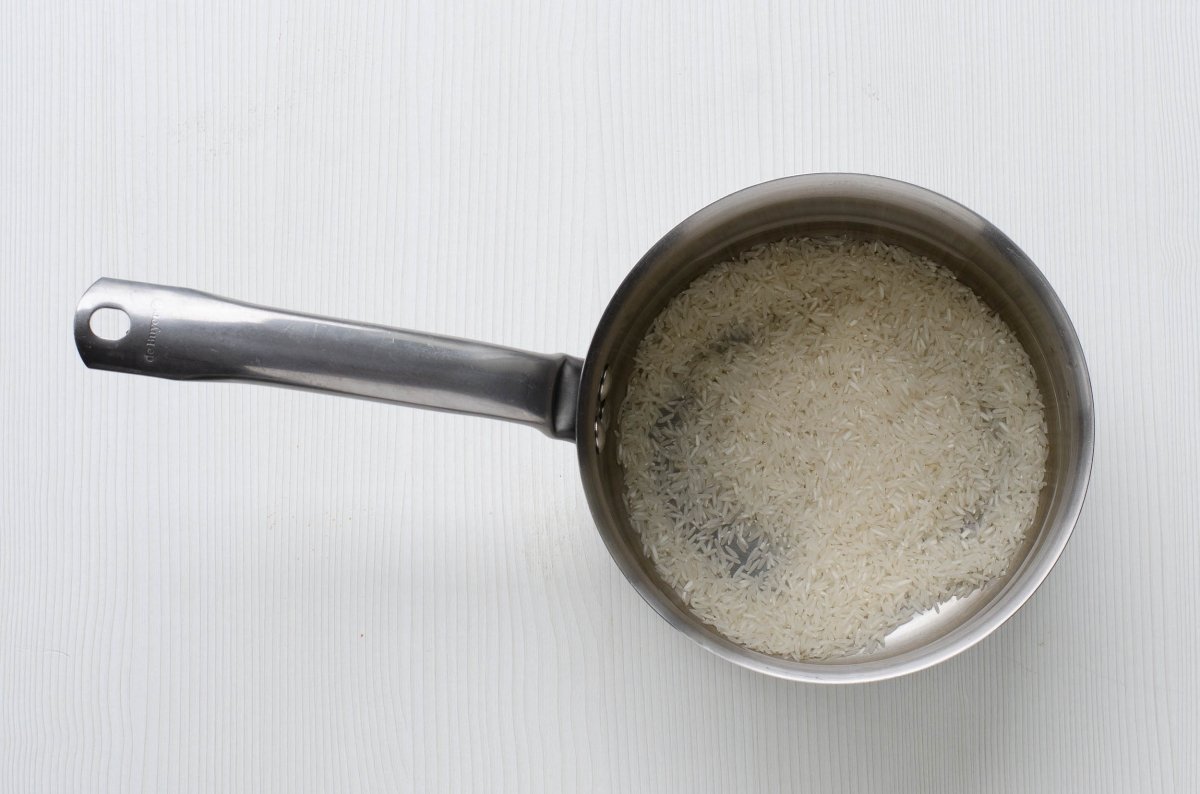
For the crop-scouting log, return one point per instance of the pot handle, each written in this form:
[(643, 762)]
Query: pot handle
[(183, 334)]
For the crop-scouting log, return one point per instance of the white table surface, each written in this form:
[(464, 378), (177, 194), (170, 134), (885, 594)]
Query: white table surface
[(215, 587)]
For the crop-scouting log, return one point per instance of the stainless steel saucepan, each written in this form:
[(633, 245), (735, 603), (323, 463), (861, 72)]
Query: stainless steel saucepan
[(187, 335)]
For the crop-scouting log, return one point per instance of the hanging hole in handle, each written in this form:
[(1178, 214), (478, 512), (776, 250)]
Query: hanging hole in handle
[(109, 323)]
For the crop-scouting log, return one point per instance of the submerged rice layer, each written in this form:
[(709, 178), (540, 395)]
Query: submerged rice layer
[(823, 438)]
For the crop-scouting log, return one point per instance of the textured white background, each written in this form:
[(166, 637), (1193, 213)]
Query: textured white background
[(213, 587)]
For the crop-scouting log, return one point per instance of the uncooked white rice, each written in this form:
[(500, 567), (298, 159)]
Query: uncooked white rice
[(824, 437)]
